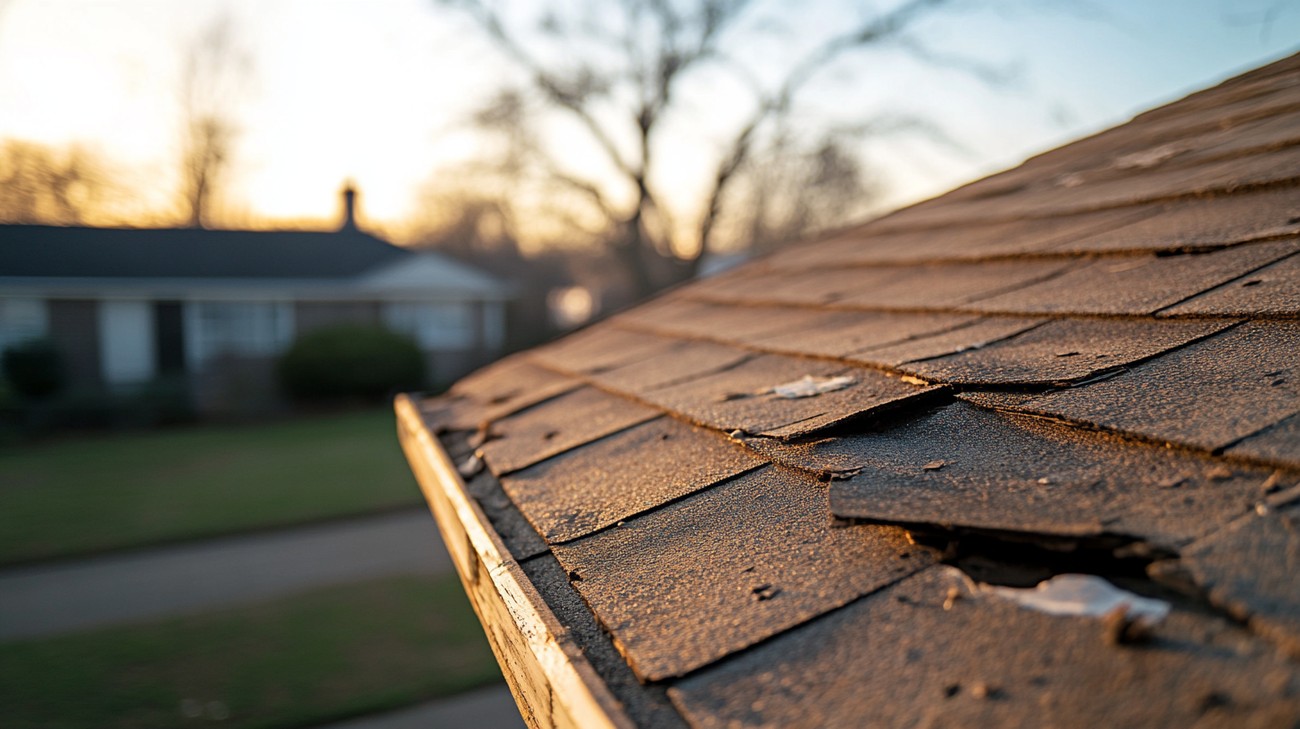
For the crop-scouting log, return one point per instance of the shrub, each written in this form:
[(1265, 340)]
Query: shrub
[(350, 362), (34, 368)]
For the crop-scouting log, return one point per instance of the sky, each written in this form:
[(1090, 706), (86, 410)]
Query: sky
[(377, 91)]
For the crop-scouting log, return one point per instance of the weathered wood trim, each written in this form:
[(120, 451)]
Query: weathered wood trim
[(552, 682)]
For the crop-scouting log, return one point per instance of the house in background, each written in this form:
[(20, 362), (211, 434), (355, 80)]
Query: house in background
[(217, 307)]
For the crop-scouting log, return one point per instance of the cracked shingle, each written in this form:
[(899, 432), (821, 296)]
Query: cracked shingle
[(1013, 473)]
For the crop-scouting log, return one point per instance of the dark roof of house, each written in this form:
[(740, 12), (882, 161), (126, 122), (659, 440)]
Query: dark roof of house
[(1087, 364), (53, 251)]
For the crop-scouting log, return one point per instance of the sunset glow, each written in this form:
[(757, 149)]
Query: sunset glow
[(378, 91)]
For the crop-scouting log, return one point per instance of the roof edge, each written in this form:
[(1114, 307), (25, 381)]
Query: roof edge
[(552, 682)]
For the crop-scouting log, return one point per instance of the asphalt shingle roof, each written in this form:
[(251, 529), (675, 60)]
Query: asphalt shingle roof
[(1087, 364)]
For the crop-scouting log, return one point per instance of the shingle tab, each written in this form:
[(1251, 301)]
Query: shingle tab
[(944, 286), (1136, 285), (691, 583), (558, 425), (842, 333), (648, 706), (1271, 291), (1051, 188), (679, 364), (596, 486), (899, 658), (495, 391), (973, 242), (1063, 351), (1199, 223), (1267, 594), (740, 398), (1278, 443), (965, 467), (980, 333), (1207, 395), (686, 318), (601, 348), (798, 288)]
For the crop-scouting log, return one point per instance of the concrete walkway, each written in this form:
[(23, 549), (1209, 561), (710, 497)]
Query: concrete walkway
[(486, 708), (46, 600)]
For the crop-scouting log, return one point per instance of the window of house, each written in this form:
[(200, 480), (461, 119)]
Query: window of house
[(242, 328), (21, 319), (441, 325)]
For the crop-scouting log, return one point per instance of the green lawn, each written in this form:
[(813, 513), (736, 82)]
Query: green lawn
[(298, 661), (104, 492)]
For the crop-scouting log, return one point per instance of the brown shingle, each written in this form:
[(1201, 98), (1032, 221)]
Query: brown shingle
[(691, 583), (965, 467), (1063, 351), (497, 390), (1207, 395), (803, 288), (1278, 443), (1136, 285), (685, 318), (1268, 593), (596, 486), (842, 333), (973, 242), (558, 425), (944, 286), (1270, 291), (981, 333), (681, 364), (1199, 223), (601, 348), (740, 398), (899, 658), (1109, 333)]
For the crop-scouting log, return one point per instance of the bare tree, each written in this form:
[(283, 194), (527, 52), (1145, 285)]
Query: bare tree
[(45, 185), (615, 71), (214, 74)]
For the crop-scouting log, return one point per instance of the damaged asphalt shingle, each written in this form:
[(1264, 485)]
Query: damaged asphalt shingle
[(898, 658), (1013, 473), (1087, 363)]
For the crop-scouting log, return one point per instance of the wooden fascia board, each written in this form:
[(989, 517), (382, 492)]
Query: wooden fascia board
[(552, 682)]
